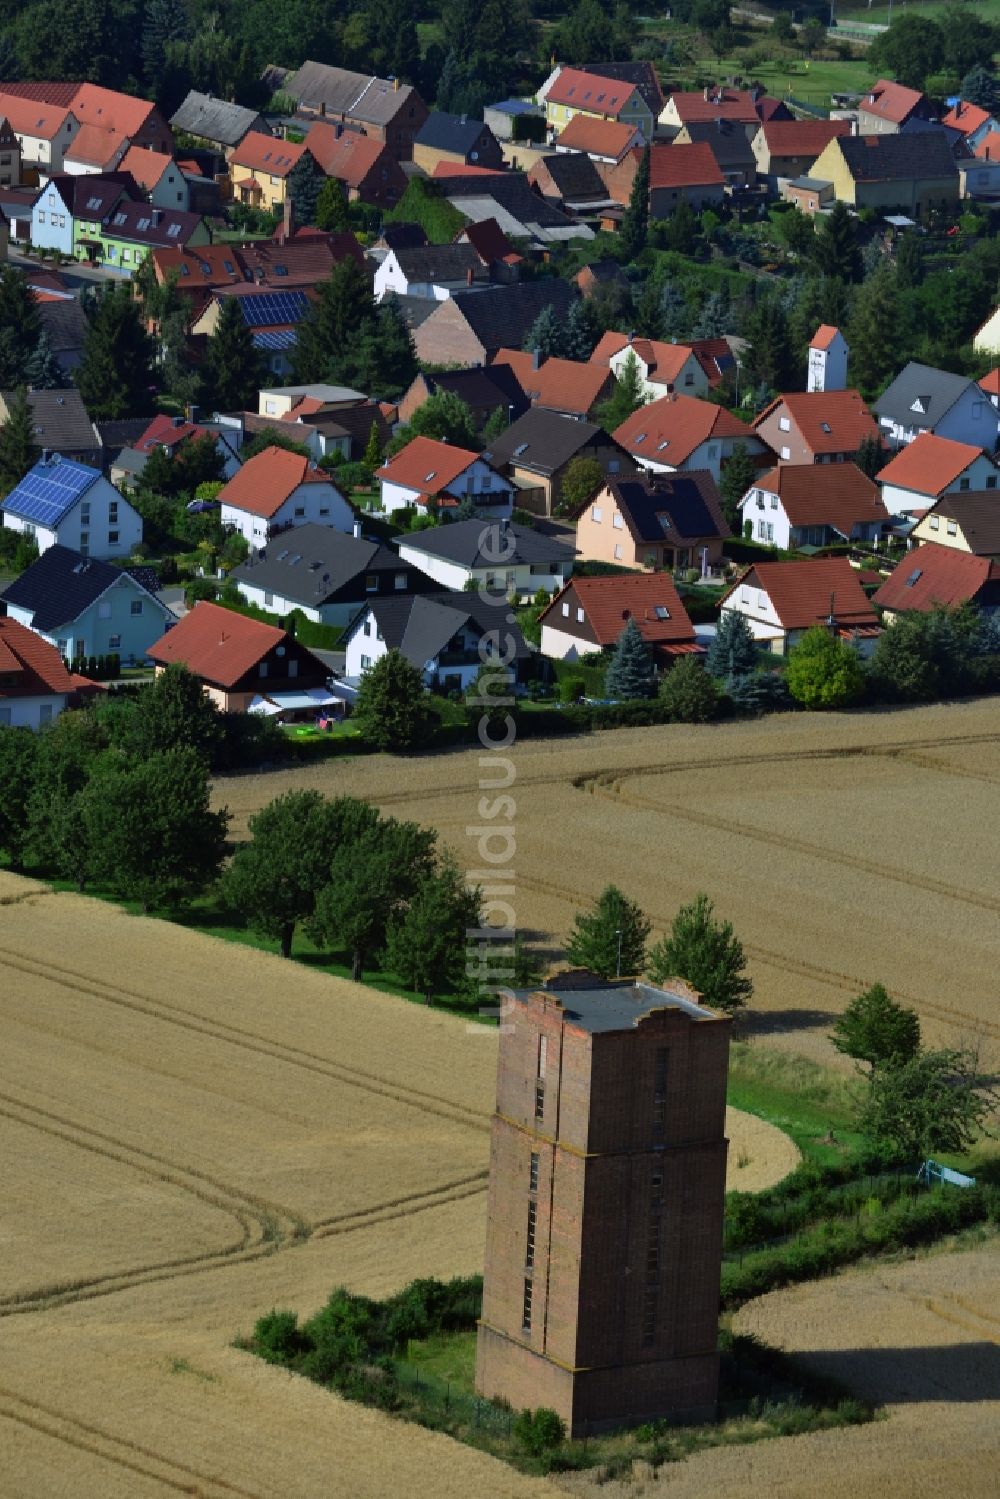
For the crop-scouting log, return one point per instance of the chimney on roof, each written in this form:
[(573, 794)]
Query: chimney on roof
[(46, 456), (177, 421), (157, 216), (707, 94), (357, 530), (469, 277), (536, 359), (191, 412)]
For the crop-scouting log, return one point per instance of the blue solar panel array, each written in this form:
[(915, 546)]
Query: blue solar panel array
[(283, 340), (50, 490), (274, 307)]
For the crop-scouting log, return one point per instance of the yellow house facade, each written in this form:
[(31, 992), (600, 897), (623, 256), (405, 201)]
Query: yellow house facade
[(259, 169), (967, 522), (575, 92), (911, 173)]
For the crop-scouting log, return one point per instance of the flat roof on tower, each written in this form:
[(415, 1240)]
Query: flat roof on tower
[(597, 1004)]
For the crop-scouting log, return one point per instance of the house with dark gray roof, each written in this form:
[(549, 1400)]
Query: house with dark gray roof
[(570, 179), (484, 391), (922, 399), (658, 521), (537, 450), (217, 121), (61, 424), (326, 574), (65, 324), (440, 634), (457, 139), (520, 212), (890, 173), (431, 271), (501, 556), (472, 325), (87, 608), (391, 111)]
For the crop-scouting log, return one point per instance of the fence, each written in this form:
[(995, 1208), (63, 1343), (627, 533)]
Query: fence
[(441, 1398)]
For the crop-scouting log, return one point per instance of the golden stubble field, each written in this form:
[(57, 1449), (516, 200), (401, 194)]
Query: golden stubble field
[(193, 1133)]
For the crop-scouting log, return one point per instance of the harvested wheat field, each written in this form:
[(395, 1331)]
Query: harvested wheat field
[(922, 1336), (192, 1133), (845, 848)]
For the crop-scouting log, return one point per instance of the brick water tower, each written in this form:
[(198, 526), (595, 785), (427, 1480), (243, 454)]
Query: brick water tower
[(607, 1184)]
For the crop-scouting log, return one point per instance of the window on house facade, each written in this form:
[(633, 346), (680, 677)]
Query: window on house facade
[(533, 1172), (262, 669), (293, 668), (617, 521), (786, 453), (371, 583), (565, 610), (963, 484), (399, 581), (579, 616), (774, 502), (784, 424), (112, 538), (596, 514), (135, 607), (366, 661), (618, 554), (952, 528), (526, 1305), (114, 642), (104, 609), (529, 1246), (935, 523)]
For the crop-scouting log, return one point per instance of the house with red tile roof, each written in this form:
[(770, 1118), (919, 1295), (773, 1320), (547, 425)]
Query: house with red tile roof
[(788, 148), (362, 164), (159, 176), (588, 615), (602, 140), (260, 167), (44, 132), (572, 91), (781, 600), (438, 475), (680, 432), (991, 385), (717, 357), (969, 522), (816, 427), (654, 521), (975, 123), (277, 490), (34, 682), (663, 367), (936, 575), (747, 106), (689, 172), (239, 660), (988, 147), (885, 108), (96, 148), (808, 504), (571, 386), (171, 433), (137, 119), (918, 475), (828, 351)]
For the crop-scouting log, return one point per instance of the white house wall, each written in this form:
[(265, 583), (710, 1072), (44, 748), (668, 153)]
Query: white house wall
[(31, 712), (98, 529), (563, 647), (759, 612), (973, 419), (450, 574), (320, 504), (773, 515)]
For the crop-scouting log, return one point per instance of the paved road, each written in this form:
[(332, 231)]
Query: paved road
[(76, 275)]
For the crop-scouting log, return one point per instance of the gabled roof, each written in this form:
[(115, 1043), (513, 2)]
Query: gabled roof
[(301, 262), (977, 514), (722, 103), (680, 508), (266, 307), (92, 195), (37, 667), (267, 480), (663, 361), (935, 574), (801, 592), (607, 138), (920, 396), (426, 465), (897, 158), (62, 584), (50, 490), (439, 263), (32, 117), (991, 383), (890, 101), (445, 171), (727, 139), (561, 384), (214, 119), (66, 324), (421, 626), (591, 92), (357, 96), (642, 75), (462, 543), (312, 563), (825, 494), (543, 441), (669, 430), (347, 154), (483, 197), (824, 336), (502, 315), (169, 432), (147, 167), (97, 145), (489, 242), (684, 166), (151, 226), (988, 148), (715, 355), (494, 385), (929, 465), (574, 175), (61, 421), (442, 131), (217, 644), (966, 117), (829, 421), (267, 153), (802, 137), (401, 236), (107, 107), (650, 599)]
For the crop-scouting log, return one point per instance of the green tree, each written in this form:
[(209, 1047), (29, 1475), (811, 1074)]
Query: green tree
[(58, 839), (372, 456), (578, 335), (770, 358), (539, 1431), (874, 330), (909, 260), (737, 476), (18, 449), (936, 1102), (163, 21), (835, 250), (870, 457), (179, 378), (331, 207), (43, 371), (967, 39), (912, 47), (274, 880), (812, 35), (782, 29), (546, 336), (426, 943), (116, 373), (920, 656), (326, 334), (173, 711), (628, 396), (443, 416), (496, 425), (631, 672), (707, 954), (877, 1030), (393, 363), (234, 370), (680, 232), (634, 231), (369, 883), (391, 706), (152, 834), (18, 763), (20, 327), (979, 87), (610, 939), (303, 188), (688, 692), (733, 650), (824, 672), (581, 481)]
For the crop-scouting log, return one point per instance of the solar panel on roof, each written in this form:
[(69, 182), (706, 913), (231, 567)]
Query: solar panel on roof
[(49, 490), (264, 309), (283, 339)]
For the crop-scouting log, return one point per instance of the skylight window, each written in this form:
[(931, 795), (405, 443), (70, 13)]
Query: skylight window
[(120, 218), (143, 223), (914, 577), (640, 438), (429, 477), (281, 270), (522, 447), (229, 267), (93, 202), (173, 231), (825, 426), (185, 269), (661, 612), (664, 444)]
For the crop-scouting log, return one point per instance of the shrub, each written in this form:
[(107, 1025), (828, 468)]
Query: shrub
[(824, 672), (761, 692), (688, 692), (539, 1431), (571, 689), (276, 1337)]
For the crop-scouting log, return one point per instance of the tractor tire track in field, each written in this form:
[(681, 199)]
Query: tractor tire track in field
[(846, 982), (119, 1451), (246, 1040), (402, 1207)]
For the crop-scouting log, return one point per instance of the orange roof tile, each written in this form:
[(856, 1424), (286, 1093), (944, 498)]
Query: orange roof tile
[(988, 148), (344, 154), (38, 666), (216, 644), (608, 138), (669, 430), (935, 574), (266, 481), (802, 137), (610, 602), (829, 421), (590, 92), (965, 117), (801, 592), (825, 494), (722, 104), (560, 384), (126, 113), (463, 169), (663, 362), (426, 465), (96, 145), (147, 167), (267, 153), (34, 118), (890, 101), (991, 383), (684, 166), (929, 464), (824, 336)]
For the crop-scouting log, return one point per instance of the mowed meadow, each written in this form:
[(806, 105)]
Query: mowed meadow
[(194, 1132)]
